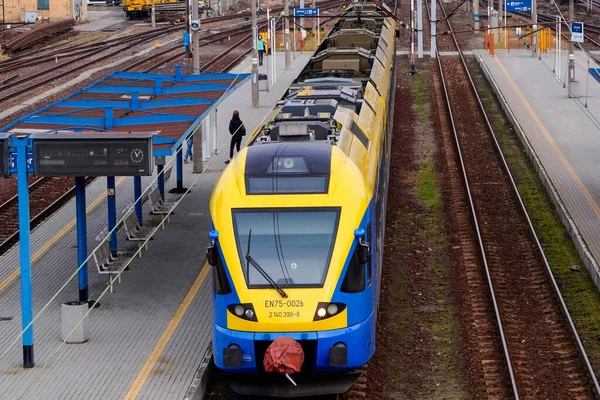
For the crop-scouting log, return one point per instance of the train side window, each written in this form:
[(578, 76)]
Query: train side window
[(220, 281), (369, 266), (354, 281)]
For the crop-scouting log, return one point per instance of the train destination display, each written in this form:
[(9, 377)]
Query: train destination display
[(123, 156), (4, 157)]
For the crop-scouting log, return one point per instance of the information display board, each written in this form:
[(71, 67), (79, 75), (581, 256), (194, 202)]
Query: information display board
[(518, 6), (577, 32), (90, 156), (4, 156), (306, 12)]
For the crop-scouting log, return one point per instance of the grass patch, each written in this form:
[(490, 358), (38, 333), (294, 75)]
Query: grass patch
[(428, 191)]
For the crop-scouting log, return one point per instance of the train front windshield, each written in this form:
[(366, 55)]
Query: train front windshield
[(293, 247)]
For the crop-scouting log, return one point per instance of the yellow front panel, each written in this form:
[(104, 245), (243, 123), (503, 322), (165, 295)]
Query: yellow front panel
[(295, 313), (345, 191)]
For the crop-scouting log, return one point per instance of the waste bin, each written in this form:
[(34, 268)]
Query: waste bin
[(262, 82), (71, 313)]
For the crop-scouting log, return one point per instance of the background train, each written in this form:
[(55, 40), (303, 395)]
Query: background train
[(142, 8), (298, 221)]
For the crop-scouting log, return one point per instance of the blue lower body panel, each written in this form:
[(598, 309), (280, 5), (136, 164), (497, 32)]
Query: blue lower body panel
[(359, 340)]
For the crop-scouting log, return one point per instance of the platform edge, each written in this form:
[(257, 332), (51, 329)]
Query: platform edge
[(588, 259), (197, 389)]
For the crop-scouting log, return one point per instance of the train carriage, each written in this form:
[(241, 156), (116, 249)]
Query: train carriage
[(298, 219)]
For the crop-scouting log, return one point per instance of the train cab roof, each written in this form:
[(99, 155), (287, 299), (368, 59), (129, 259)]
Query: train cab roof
[(297, 167)]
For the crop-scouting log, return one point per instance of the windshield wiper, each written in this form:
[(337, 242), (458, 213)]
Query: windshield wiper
[(251, 260)]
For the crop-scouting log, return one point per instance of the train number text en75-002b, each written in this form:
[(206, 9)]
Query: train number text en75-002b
[(284, 303)]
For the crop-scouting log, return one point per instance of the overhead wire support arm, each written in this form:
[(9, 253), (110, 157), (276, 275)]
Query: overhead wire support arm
[(386, 11)]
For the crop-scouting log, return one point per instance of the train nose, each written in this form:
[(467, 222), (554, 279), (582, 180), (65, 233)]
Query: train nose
[(284, 356)]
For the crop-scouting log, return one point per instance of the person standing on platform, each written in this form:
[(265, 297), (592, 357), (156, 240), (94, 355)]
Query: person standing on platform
[(261, 44), (188, 152), (237, 131)]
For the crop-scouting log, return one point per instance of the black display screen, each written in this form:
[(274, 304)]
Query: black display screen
[(93, 157), (4, 157)]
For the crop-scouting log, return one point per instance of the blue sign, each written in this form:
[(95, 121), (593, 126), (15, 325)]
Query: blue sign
[(518, 6), (577, 32), (306, 12), (13, 163)]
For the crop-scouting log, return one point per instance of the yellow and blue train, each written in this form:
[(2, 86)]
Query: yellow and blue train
[(298, 217)]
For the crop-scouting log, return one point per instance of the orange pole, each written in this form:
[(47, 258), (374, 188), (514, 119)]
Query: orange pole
[(485, 39), (543, 40)]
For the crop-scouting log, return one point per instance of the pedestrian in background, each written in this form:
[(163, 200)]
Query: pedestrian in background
[(237, 131), (188, 152), (261, 49)]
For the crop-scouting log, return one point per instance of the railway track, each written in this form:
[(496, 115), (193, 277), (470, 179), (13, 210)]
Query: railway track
[(84, 50), (511, 290), (46, 196), (166, 56)]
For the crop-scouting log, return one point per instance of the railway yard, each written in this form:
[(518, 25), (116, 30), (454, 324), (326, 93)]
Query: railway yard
[(484, 291)]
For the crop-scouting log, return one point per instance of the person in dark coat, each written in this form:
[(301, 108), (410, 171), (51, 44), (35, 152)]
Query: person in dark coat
[(237, 131)]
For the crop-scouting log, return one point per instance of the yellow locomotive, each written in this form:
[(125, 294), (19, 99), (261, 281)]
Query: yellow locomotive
[(141, 8), (298, 220)]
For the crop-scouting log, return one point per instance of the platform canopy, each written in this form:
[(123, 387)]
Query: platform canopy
[(171, 105)]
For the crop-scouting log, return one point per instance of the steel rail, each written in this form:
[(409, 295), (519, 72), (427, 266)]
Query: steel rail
[(203, 42), (564, 308), (34, 220), (472, 208), (90, 50), (71, 70), (236, 61), (87, 46), (39, 216), (13, 199)]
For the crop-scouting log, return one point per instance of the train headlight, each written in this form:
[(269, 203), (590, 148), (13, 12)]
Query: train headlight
[(238, 310), (328, 310), (332, 309), (243, 311)]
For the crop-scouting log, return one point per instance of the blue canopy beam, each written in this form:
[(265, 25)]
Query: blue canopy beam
[(140, 76), (93, 104), (164, 90), (116, 122)]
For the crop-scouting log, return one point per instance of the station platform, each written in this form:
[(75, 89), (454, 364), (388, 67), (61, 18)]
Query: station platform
[(148, 337), (561, 134)]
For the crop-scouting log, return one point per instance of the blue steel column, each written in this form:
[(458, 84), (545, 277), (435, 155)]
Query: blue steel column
[(179, 157), (137, 193), (112, 212), (81, 237), (161, 180), (25, 251), (180, 169)]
